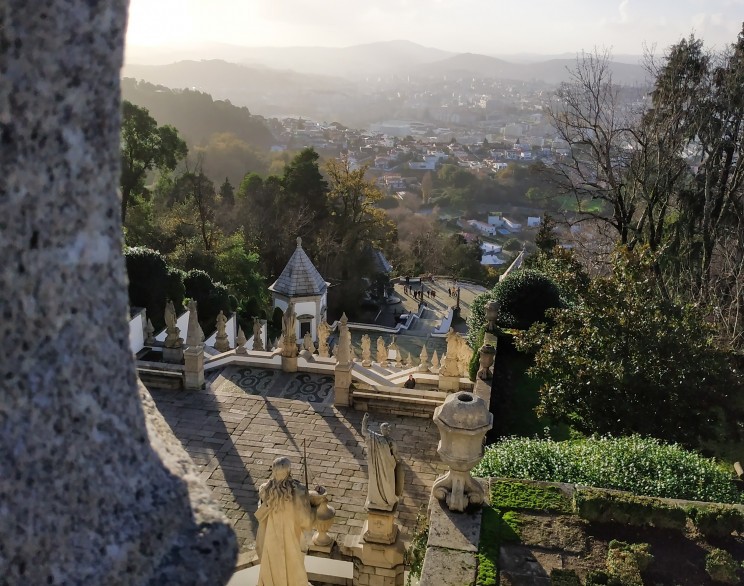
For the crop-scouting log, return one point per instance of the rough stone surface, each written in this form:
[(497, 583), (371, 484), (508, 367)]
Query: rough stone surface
[(85, 498), (448, 567), (452, 530), (237, 425)]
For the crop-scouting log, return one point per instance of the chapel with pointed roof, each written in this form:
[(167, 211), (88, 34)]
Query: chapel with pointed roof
[(301, 284)]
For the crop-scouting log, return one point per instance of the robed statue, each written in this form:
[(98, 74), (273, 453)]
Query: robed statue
[(385, 470), (285, 512)]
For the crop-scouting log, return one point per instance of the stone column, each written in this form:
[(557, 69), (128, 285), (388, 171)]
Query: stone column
[(193, 355), (342, 372), (94, 489)]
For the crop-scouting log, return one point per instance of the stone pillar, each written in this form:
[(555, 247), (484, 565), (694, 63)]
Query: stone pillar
[(94, 488), (342, 372), (193, 355)]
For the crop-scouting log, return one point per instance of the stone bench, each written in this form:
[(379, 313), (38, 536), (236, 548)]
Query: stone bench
[(398, 400), (161, 379)]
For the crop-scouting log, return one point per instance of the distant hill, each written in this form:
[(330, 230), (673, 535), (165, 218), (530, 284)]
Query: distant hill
[(268, 91), (551, 72), (353, 62), (196, 115), (274, 68)]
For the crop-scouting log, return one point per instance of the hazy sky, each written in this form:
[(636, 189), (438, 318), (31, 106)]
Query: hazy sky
[(483, 26)]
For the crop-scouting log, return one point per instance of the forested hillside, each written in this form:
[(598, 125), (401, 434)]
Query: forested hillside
[(197, 115)]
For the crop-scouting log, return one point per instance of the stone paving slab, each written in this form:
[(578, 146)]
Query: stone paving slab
[(235, 428)]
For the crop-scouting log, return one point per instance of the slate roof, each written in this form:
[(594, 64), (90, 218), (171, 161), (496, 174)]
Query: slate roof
[(300, 277)]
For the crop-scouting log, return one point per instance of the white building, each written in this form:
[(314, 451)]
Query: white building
[(496, 220), (301, 283), (513, 226), (533, 221), (482, 227)]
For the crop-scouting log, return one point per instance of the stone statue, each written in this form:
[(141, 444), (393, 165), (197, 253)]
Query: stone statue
[(385, 471), (307, 343), (464, 354), (194, 333), (450, 366), (240, 342), (382, 354), (172, 340), (284, 513), (289, 332), (221, 342), (323, 332), (257, 337), (170, 315), (366, 351)]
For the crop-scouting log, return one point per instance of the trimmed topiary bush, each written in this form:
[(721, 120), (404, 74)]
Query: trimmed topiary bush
[(643, 466), (151, 282), (210, 298), (523, 297)]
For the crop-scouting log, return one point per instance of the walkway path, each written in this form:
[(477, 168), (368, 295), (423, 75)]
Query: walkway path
[(246, 417)]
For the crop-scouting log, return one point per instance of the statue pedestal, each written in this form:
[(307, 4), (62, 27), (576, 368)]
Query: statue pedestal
[(449, 383), (173, 355), (222, 343), (193, 375), (380, 564), (380, 527), (289, 363), (342, 384)]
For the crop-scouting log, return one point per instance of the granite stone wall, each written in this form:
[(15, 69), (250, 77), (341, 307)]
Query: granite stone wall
[(93, 489)]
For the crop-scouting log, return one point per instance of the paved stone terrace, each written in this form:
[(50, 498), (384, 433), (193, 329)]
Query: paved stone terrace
[(235, 428)]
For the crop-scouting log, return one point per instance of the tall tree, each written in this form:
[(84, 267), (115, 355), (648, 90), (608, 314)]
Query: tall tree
[(145, 146), (622, 352)]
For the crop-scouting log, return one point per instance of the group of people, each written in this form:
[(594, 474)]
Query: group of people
[(420, 293), (453, 291)]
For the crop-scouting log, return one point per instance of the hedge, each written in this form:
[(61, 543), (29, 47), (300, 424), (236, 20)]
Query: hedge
[(608, 507)]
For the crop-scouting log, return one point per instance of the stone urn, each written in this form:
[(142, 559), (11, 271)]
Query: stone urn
[(463, 420), (486, 358), (324, 515), (492, 314)]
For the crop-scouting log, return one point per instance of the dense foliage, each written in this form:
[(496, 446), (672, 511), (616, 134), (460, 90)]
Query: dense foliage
[(625, 351), (145, 146), (523, 297), (642, 466), (152, 282)]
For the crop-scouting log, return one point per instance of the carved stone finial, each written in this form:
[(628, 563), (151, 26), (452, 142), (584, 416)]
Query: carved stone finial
[(240, 342), (299, 242), (424, 360)]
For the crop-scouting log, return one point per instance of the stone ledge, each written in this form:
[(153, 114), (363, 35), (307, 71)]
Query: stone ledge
[(448, 567)]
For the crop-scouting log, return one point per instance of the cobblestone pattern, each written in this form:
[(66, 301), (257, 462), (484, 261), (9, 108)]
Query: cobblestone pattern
[(233, 436)]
